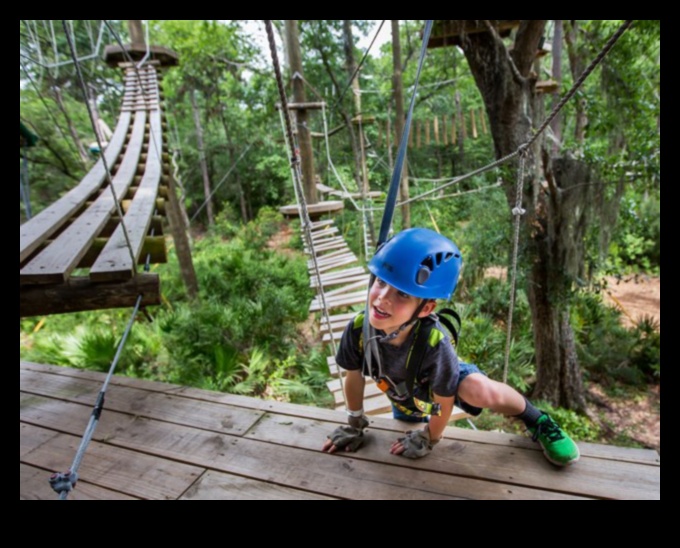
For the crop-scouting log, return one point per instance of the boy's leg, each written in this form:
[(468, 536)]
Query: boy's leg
[(479, 391)]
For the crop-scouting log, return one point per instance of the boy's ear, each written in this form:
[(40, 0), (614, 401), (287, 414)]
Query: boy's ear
[(427, 309)]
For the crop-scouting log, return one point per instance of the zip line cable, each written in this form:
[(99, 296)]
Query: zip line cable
[(205, 202)]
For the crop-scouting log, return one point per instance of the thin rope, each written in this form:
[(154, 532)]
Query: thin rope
[(119, 209), (68, 479), (605, 50), (488, 167), (49, 112), (297, 178), (221, 181), (330, 161), (356, 70), (517, 211), (545, 123), (463, 192)]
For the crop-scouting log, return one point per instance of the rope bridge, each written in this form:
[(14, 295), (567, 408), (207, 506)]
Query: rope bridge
[(82, 252)]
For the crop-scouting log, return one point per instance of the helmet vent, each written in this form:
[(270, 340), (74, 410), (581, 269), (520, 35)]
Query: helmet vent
[(448, 257), (438, 258)]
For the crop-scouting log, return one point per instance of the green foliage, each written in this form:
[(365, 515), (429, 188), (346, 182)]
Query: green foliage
[(608, 351), (636, 245)]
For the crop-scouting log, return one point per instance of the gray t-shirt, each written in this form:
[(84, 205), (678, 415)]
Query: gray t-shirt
[(439, 372)]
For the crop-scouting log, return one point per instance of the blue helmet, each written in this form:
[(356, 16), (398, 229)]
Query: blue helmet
[(419, 262)]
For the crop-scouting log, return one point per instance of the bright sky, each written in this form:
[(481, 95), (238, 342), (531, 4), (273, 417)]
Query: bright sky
[(385, 35)]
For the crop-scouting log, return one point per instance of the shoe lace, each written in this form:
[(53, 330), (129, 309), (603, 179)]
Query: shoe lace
[(549, 429)]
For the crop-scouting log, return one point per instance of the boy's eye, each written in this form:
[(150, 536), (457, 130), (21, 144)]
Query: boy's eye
[(403, 295), (381, 283)]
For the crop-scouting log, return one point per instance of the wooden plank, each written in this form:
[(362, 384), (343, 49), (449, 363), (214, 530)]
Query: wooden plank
[(276, 463), (221, 486), (329, 231), (111, 467), (506, 465), (116, 260), (79, 294), (342, 300), (344, 262), (335, 326), (647, 457), (435, 473), (314, 209), (331, 258), (337, 335), (323, 222), (341, 273), (35, 231), (350, 287), (55, 263), (342, 281), (175, 409), (34, 485)]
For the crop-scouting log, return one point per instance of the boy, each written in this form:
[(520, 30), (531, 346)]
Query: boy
[(412, 360)]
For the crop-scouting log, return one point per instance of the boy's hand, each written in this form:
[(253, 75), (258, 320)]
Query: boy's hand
[(414, 445), (344, 437)]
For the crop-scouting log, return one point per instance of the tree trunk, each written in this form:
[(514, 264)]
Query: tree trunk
[(299, 96), (398, 91), (207, 187), (550, 227), (136, 34), (182, 245)]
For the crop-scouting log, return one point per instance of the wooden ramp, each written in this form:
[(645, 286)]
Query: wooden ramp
[(74, 255), (161, 441)]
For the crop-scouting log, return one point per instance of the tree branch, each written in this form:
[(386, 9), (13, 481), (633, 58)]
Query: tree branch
[(527, 39), (500, 46)]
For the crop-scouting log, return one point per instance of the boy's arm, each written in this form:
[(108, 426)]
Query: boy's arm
[(354, 390), (439, 423), (418, 443)]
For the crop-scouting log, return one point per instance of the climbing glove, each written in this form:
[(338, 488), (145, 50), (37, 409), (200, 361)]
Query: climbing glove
[(347, 437), (417, 443), (350, 437)]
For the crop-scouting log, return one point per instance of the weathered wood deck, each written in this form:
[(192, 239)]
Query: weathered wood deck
[(161, 441)]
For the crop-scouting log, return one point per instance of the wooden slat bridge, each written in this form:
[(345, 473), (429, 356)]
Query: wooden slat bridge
[(74, 255), (161, 441)]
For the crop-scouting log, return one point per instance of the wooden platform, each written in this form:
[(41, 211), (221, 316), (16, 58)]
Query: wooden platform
[(315, 210), (161, 441)]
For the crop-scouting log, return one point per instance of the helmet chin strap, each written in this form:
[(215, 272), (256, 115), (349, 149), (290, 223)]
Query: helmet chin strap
[(414, 319)]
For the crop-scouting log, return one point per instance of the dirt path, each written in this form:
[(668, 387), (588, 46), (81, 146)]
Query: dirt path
[(637, 297)]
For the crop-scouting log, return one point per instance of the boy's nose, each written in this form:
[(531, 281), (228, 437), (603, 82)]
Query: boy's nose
[(385, 292)]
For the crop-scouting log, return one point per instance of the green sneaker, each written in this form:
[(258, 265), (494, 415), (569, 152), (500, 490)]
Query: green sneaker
[(558, 447)]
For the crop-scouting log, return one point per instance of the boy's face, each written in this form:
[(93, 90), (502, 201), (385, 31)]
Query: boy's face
[(390, 308)]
